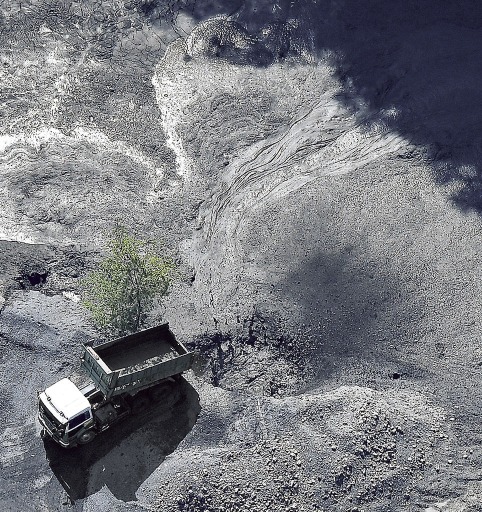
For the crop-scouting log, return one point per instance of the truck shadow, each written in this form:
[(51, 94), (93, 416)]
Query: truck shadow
[(124, 456)]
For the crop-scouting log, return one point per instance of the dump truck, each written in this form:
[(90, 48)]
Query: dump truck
[(126, 375)]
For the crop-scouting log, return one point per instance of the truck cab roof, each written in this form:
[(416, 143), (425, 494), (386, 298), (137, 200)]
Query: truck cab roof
[(64, 400)]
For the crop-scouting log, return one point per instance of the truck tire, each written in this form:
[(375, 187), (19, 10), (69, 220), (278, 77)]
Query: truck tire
[(86, 437), (140, 403)]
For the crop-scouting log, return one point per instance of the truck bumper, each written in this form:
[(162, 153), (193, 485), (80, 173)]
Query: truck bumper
[(48, 432)]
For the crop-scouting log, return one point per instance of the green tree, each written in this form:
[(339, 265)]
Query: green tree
[(122, 290)]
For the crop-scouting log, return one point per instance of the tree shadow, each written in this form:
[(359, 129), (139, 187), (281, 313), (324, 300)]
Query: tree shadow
[(124, 456), (351, 308)]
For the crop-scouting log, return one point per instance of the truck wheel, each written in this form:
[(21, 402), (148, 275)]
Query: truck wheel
[(140, 403), (86, 437)]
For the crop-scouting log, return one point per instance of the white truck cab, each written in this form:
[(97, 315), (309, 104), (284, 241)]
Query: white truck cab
[(64, 411)]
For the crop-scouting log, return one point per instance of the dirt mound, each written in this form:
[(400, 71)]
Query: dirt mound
[(362, 450), (227, 40)]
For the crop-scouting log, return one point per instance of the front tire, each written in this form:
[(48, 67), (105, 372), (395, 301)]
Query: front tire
[(86, 437)]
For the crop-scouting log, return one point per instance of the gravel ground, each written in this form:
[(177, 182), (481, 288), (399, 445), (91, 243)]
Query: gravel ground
[(314, 167)]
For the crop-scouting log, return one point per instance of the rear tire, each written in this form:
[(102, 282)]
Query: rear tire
[(86, 437)]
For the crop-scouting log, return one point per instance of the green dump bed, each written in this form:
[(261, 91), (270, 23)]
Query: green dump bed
[(135, 362)]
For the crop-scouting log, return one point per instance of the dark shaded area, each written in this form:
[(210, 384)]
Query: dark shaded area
[(35, 278), (422, 60), (16, 257), (220, 355), (415, 65), (160, 10), (124, 456), (351, 307)]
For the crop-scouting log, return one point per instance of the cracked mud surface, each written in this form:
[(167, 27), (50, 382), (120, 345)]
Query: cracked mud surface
[(315, 168)]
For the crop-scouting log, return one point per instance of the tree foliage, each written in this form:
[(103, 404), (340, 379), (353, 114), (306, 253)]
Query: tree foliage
[(122, 290)]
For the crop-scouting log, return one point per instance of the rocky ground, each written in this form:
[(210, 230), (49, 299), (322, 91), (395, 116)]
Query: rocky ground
[(314, 167)]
